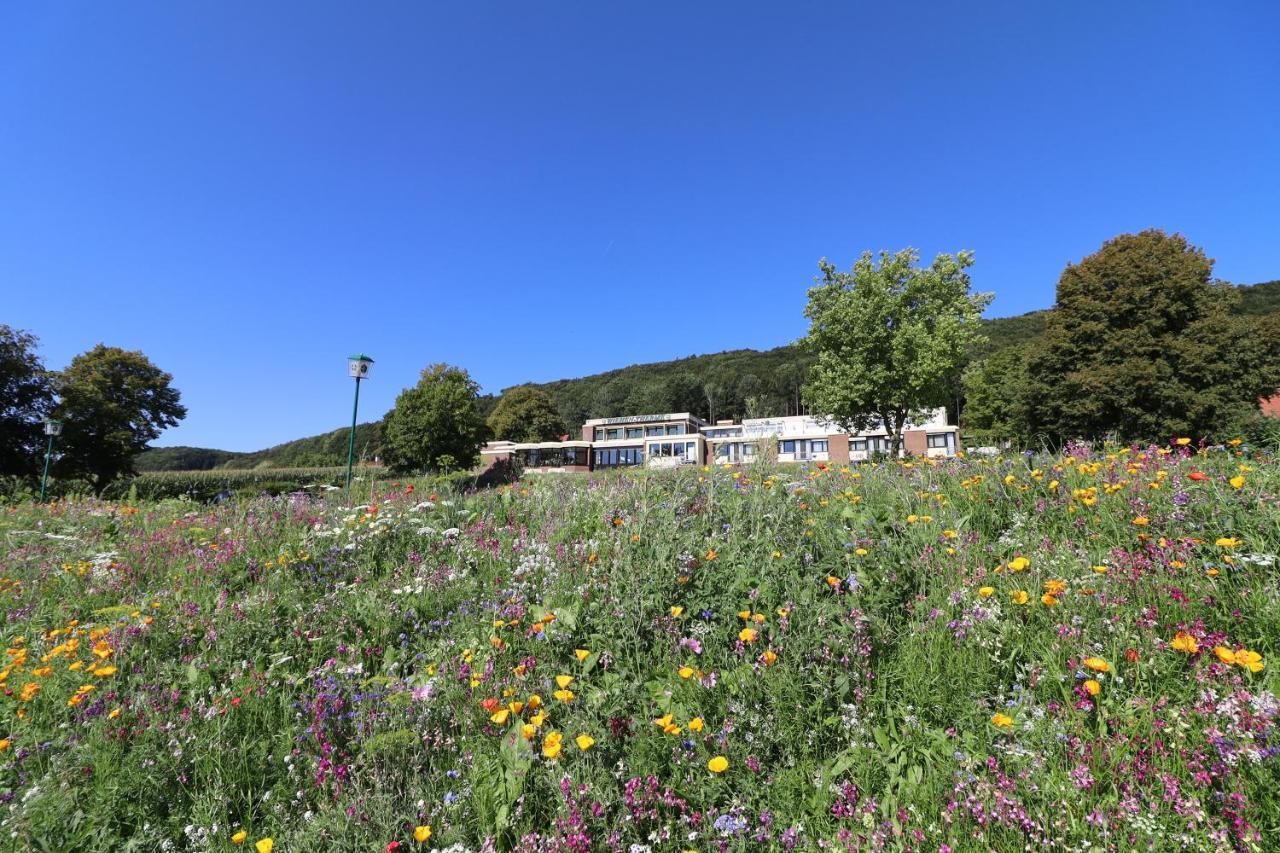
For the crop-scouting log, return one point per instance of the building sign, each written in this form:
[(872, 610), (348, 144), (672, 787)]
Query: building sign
[(636, 419)]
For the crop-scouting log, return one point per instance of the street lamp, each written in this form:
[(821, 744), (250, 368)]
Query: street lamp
[(357, 366), (51, 428)]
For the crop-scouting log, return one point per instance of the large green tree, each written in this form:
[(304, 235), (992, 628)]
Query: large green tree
[(112, 403), (25, 398), (889, 338), (997, 404), (526, 413), (436, 425), (1143, 345)]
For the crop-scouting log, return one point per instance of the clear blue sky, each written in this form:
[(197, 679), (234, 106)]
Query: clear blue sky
[(250, 191)]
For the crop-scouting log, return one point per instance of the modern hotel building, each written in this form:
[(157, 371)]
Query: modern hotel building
[(667, 440)]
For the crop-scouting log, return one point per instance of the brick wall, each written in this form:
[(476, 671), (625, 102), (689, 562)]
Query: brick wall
[(915, 441), (838, 447)]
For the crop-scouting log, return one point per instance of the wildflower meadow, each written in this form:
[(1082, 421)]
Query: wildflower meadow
[(1028, 652)]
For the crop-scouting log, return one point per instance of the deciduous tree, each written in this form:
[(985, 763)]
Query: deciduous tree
[(1142, 344), (996, 398), (526, 413), (25, 398), (112, 403), (889, 338), (435, 425)]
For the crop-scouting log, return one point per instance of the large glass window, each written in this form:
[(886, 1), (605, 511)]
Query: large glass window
[(635, 432), (859, 444), (599, 434), (818, 446), (938, 440), (618, 457), (615, 434), (552, 457), (748, 449), (788, 447), (653, 430), (675, 429)]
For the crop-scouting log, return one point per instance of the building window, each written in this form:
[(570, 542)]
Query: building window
[(938, 440), (818, 446), (652, 431), (635, 432), (599, 435), (552, 457), (615, 434), (619, 457), (675, 429), (788, 447), (748, 450), (859, 444)]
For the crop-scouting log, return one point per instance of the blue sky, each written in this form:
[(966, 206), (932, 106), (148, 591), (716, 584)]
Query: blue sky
[(250, 191)]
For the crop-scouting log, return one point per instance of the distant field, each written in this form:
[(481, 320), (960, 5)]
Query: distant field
[(975, 654), (204, 485)]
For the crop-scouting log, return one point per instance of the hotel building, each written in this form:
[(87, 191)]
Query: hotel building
[(669, 440)]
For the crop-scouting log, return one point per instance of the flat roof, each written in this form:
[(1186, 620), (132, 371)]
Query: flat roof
[(546, 445), (640, 419)]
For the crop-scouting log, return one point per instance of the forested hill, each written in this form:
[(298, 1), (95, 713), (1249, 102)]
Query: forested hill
[(733, 384)]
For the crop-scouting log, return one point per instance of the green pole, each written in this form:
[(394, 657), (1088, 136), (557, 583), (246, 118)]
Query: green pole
[(351, 443), (45, 476)]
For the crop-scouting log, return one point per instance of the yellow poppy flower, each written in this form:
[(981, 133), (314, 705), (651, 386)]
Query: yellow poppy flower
[(1001, 721), (581, 654), (1017, 564), (1092, 687), (1019, 596), (1097, 664), (564, 681), (1250, 660), (1184, 642), (696, 724), (239, 837), (500, 717), (986, 591), (422, 834), (719, 764), (584, 742)]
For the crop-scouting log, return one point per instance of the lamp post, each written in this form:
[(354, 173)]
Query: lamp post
[(357, 366), (51, 428)]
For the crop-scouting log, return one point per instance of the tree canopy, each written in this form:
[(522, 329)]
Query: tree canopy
[(25, 398), (1143, 345), (112, 403), (437, 425), (526, 413), (890, 338)]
